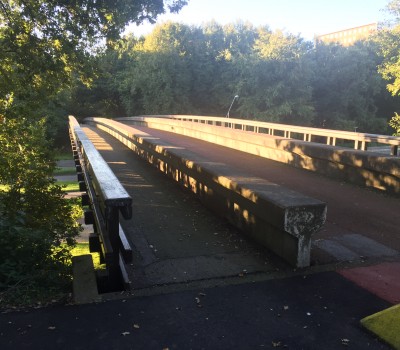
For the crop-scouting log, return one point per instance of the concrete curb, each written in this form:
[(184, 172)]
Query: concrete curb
[(84, 283)]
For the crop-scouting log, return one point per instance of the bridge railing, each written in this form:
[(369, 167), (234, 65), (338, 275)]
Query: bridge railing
[(280, 219), (331, 137), (368, 169), (106, 198)]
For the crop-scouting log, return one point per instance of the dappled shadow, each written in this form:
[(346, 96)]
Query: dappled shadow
[(100, 143), (280, 219), (362, 168)]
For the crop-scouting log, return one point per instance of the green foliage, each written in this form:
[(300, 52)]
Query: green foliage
[(31, 268), (82, 249), (37, 225), (45, 44), (68, 186), (159, 79), (196, 70), (395, 124), (388, 40), (389, 49), (48, 54), (278, 76), (347, 86), (275, 81)]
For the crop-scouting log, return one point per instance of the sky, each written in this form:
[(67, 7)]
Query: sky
[(304, 17)]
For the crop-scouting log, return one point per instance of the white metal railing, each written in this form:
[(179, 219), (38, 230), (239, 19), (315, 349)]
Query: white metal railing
[(330, 137)]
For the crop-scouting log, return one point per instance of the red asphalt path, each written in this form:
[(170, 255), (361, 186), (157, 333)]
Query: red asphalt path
[(382, 280)]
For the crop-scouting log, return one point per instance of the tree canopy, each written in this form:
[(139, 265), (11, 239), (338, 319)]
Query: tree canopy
[(52, 52), (47, 50), (43, 43), (278, 76), (389, 45)]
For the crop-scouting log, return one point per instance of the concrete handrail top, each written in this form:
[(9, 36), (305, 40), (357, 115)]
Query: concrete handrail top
[(110, 189), (293, 212), (213, 133), (339, 134)]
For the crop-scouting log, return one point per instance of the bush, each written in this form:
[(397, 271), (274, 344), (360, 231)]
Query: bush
[(37, 225), (395, 124)]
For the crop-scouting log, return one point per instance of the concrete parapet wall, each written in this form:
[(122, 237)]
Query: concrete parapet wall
[(280, 219), (359, 167)]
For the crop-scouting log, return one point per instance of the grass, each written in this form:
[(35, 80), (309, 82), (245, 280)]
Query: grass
[(65, 171), (82, 249), (70, 186), (64, 156)]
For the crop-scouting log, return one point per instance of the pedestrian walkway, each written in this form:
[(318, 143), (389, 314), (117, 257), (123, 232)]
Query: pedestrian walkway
[(318, 311)]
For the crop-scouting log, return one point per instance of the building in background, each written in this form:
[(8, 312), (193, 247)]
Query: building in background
[(349, 36)]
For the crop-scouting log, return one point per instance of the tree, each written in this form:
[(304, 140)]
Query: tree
[(43, 42), (45, 47), (158, 80), (274, 82), (389, 48), (347, 87), (37, 225), (395, 124)]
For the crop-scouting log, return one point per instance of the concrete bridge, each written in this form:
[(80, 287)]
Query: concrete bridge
[(269, 189)]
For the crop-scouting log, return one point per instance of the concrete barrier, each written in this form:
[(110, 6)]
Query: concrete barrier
[(362, 168), (84, 283), (280, 219)]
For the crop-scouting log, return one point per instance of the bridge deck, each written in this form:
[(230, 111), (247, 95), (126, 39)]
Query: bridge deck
[(177, 240)]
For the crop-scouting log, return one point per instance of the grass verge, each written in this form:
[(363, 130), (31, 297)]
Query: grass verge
[(70, 186), (65, 171), (82, 249), (64, 156)]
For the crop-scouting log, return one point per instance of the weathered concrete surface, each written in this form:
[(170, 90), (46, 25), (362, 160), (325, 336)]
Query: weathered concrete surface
[(176, 241), (280, 219), (84, 280), (169, 226), (359, 167)]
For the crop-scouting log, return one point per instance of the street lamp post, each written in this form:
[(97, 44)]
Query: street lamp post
[(227, 114)]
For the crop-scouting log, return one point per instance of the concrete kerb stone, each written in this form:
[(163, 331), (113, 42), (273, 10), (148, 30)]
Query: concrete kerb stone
[(280, 219), (386, 325), (84, 283)]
